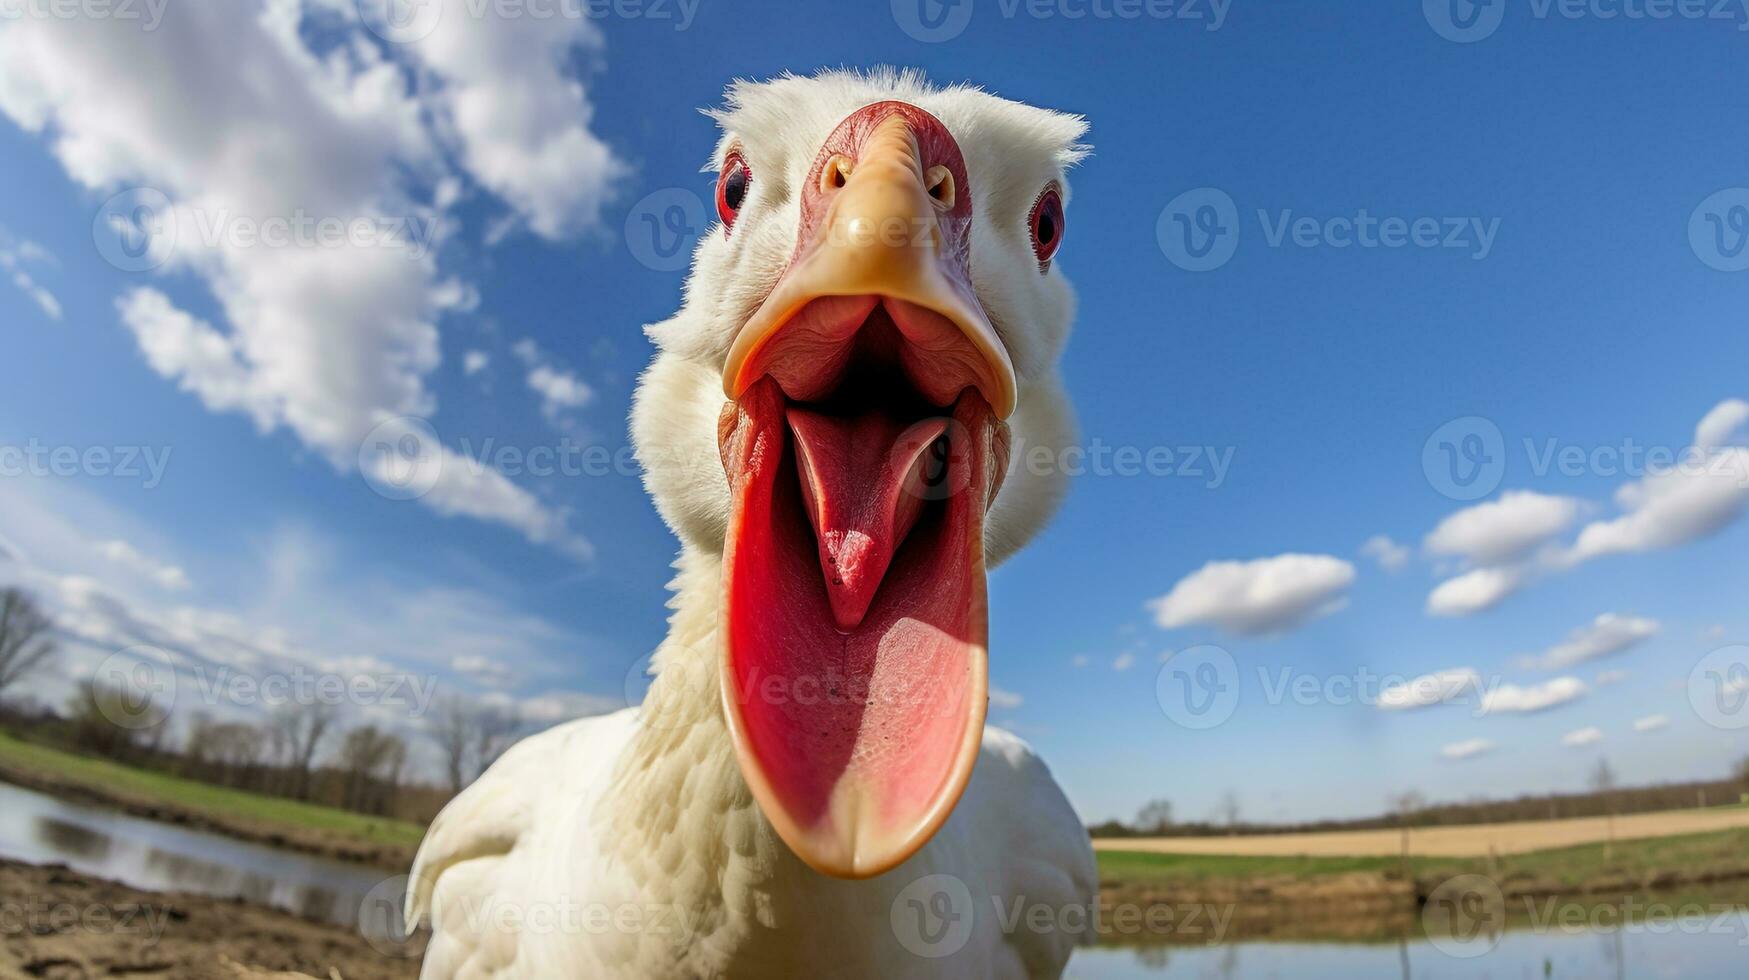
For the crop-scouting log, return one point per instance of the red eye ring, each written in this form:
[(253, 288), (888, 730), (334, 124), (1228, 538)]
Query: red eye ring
[(1046, 225), (733, 184)]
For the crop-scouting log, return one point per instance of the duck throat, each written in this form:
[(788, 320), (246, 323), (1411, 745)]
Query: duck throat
[(854, 624)]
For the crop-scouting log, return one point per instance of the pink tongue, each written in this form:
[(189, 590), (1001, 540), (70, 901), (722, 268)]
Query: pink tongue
[(864, 482)]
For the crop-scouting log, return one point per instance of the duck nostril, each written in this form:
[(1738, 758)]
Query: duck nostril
[(836, 173), (939, 181)]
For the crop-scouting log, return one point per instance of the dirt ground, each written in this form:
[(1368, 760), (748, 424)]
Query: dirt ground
[(60, 925), (1465, 841)]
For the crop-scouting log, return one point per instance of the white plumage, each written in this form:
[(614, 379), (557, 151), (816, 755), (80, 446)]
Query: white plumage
[(629, 845)]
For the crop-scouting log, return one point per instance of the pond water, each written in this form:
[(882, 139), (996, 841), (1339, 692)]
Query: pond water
[(159, 857), (1711, 946)]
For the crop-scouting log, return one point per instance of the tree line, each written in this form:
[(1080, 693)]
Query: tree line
[(303, 750)]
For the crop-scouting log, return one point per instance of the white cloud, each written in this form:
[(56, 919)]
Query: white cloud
[(1430, 689), (1468, 749), (485, 671), (1390, 555), (1503, 530), (560, 391), (1651, 723), (324, 339), (1607, 634), (475, 361), (1513, 699), (1609, 677), (1722, 427), (13, 258), (1123, 662), (1474, 591), (164, 575), (1005, 700), (1582, 737), (521, 121), (1267, 595), (1701, 495)]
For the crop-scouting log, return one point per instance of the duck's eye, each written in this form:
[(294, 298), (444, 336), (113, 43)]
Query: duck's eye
[(732, 189), (1047, 226)]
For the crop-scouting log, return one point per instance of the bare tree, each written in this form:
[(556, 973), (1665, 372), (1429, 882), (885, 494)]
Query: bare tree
[(498, 730), (471, 737), (372, 760), (1603, 781), (1741, 772), (1228, 810), (1154, 817), (1405, 805), (24, 636), (114, 721), (299, 730)]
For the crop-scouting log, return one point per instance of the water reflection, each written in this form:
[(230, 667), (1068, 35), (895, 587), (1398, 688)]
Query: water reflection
[(159, 857)]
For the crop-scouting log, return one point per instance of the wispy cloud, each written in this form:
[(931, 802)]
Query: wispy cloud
[(1467, 749), (1430, 689), (1267, 595), (1514, 699), (1608, 634)]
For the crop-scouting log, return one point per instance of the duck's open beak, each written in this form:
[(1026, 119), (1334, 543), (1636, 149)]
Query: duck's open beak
[(863, 443)]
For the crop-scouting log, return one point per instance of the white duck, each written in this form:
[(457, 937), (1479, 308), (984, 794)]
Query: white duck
[(809, 789)]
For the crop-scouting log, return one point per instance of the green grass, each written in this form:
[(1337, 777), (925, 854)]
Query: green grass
[(1565, 867), (265, 812)]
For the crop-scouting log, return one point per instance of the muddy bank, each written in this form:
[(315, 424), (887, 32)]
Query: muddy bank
[(1372, 906), (302, 840), (61, 925)]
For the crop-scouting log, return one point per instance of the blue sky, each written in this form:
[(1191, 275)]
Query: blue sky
[(1580, 314)]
